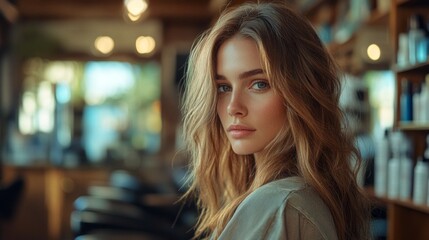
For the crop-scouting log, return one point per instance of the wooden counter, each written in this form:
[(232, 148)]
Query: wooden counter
[(47, 201)]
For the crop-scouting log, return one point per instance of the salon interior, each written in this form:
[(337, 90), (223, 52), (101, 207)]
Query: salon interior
[(90, 136)]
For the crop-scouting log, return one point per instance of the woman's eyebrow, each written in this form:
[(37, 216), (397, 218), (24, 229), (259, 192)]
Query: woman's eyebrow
[(242, 75), (219, 77), (250, 73)]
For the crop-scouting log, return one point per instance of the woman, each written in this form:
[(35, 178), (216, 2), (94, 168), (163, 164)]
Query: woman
[(270, 159)]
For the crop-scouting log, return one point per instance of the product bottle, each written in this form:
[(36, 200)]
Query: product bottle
[(393, 177), (421, 172), (403, 55), (393, 174), (406, 169), (423, 46), (416, 36), (406, 101), (380, 165)]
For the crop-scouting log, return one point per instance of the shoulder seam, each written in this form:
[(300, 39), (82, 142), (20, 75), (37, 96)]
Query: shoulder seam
[(307, 217)]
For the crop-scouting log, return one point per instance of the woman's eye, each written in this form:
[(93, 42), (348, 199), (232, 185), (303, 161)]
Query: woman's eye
[(260, 85), (223, 88)]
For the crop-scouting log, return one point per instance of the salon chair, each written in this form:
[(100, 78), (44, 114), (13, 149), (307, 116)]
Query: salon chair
[(9, 197), (128, 206)]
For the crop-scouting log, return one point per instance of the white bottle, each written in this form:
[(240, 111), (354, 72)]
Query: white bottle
[(393, 174), (393, 178), (403, 56), (380, 165), (421, 172), (415, 36), (406, 169)]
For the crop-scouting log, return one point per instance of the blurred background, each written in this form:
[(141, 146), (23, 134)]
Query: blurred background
[(90, 107)]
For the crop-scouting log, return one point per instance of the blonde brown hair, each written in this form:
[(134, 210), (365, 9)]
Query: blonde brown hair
[(312, 144)]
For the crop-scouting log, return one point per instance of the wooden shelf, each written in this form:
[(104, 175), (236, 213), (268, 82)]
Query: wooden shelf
[(410, 205), (402, 203), (421, 67), (411, 3), (377, 18), (410, 126)]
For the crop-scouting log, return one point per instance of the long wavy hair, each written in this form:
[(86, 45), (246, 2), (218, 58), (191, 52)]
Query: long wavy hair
[(313, 143)]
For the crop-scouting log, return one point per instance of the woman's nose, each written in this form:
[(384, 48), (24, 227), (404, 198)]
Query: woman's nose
[(237, 105)]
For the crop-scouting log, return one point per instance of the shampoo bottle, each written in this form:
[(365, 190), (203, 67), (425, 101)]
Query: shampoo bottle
[(421, 172), (380, 165), (403, 56), (394, 168), (406, 169)]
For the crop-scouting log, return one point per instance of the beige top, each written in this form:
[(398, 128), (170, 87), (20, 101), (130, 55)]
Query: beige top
[(283, 209)]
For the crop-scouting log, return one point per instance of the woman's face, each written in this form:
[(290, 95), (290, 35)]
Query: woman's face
[(252, 114)]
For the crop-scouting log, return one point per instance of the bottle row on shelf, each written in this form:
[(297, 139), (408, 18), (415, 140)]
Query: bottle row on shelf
[(413, 45), (414, 101), (395, 174)]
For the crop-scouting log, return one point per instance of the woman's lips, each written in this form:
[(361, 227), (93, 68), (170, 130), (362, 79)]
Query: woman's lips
[(240, 131)]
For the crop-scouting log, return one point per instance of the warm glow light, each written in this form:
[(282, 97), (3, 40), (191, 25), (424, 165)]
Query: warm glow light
[(45, 120), (145, 45), (45, 96), (373, 52), (25, 123), (104, 44), (153, 122), (136, 7), (59, 72), (29, 104), (133, 18)]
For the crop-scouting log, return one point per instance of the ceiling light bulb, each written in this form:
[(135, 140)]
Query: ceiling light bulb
[(133, 18), (104, 44), (373, 52), (145, 44), (136, 7)]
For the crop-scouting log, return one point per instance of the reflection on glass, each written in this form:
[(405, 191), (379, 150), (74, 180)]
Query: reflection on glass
[(86, 112), (122, 116), (103, 80), (101, 129), (59, 72), (63, 93), (381, 97)]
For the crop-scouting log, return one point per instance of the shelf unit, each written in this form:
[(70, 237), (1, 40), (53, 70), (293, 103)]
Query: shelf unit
[(401, 10), (407, 220)]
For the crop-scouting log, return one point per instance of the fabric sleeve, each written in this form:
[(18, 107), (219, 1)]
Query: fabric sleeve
[(298, 226), (263, 218)]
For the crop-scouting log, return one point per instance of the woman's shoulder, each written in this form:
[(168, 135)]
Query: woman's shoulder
[(284, 207), (275, 192)]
